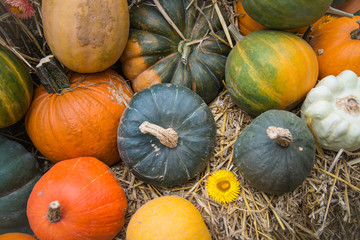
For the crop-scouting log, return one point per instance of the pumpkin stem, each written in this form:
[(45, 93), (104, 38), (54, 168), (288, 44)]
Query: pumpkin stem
[(185, 50), (349, 104), (339, 12), (52, 75), (355, 34), (167, 137), (54, 214), (235, 33), (282, 136)]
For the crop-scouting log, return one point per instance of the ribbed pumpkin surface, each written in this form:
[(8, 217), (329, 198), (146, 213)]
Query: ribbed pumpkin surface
[(281, 14), (335, 49), (81, 120), (154, 51), (167, 106), (270, 69), (86, 35), (16, 88), (19, 172)]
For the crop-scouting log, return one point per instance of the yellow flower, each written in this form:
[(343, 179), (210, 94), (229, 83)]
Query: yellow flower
[(223, 186)]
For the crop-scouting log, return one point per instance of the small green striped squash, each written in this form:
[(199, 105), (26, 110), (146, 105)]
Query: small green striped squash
[(16, 88), (270, 69), (281, 14)]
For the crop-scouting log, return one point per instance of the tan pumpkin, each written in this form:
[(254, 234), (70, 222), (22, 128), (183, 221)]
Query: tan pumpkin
[(86, 35)]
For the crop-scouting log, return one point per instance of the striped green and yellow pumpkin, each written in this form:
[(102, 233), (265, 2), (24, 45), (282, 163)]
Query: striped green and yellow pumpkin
[(270, 69), (280, 14), (16, 88)]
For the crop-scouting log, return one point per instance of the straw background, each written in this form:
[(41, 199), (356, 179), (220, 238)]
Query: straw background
[(325, 206)]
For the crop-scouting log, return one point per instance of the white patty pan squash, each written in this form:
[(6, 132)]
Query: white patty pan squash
[(333, 108)]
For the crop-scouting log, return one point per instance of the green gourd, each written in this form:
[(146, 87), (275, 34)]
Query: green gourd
[(276, 152), (166, 135), (19, 171), (16, 89), (194, 56), (286, 14)]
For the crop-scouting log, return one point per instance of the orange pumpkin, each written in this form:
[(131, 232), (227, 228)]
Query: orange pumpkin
[(16, 236), (337, 46), (86, 36), (81, 120), (167, 217), (77, 199)]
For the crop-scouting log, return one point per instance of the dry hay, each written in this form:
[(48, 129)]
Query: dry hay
[(325, 206)]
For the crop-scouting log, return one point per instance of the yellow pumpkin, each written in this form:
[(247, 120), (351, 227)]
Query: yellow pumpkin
[(167, 218), (86, 35)]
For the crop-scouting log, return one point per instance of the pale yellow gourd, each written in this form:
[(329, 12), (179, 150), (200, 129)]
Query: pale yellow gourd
[(333, 109)]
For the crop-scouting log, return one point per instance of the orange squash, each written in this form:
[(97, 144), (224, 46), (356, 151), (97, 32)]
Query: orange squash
[(77, 199), (86, 35), (81, 120), (337, 46), (168, 217), (16, 236)]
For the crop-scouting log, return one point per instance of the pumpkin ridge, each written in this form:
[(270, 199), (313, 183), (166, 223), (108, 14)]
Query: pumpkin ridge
[(149, 156), (254, 75), (200, 107), (205, 66), (8, 108), (182, 163)]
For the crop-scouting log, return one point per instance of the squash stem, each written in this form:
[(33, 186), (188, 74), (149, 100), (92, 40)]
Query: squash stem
[(52, 75), (339, 12), (235, 33), (355, 34), (185, 52), (282, 136), (167, 137), (54, 214)]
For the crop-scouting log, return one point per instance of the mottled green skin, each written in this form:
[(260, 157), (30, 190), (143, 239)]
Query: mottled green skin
[(168, 106), (286, 14), (19, 172), (265, 164), (16, 88), (261, 71), (159, 43)]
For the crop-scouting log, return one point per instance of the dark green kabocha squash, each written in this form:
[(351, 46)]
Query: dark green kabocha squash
[(276, 152), (193, 56), (166, 135), (19, 172)]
